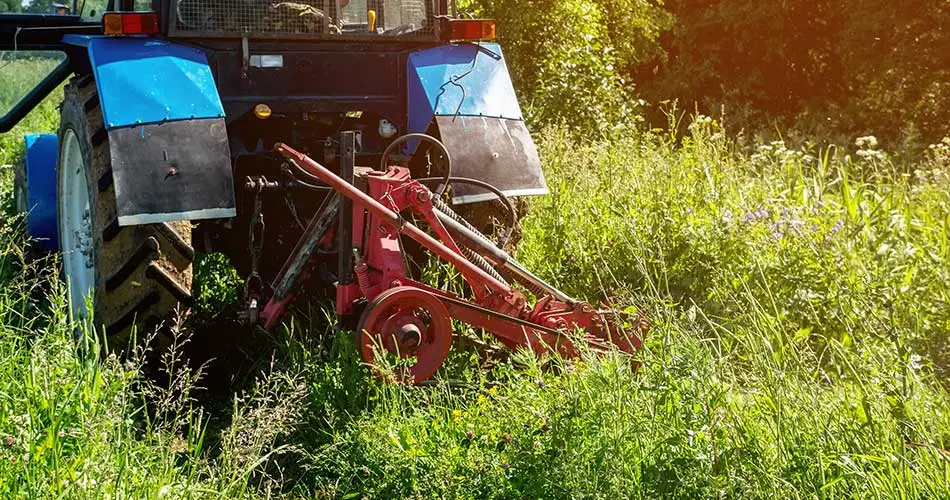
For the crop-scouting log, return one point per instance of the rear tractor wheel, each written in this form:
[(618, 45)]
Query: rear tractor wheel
[(134, 276)]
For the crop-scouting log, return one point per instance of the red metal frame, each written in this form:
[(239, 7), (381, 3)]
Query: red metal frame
[(498, 308)]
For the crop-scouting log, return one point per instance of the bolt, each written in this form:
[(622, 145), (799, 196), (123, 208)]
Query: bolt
[(423, 195)]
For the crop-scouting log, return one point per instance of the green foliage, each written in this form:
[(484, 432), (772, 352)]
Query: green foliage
[(18, 74), (566, 57), (822, 68)]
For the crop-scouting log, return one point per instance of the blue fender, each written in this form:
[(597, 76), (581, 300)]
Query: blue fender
[(466, 92), (166, 127), (40, 162), (464, 80), (146, 80)]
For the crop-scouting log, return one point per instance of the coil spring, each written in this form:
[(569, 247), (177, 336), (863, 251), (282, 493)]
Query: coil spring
[(483, 264), (447, 210), (362, 276), (531, 287)]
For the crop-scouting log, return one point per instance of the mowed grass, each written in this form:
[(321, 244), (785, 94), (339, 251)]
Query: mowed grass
[(799, 349)]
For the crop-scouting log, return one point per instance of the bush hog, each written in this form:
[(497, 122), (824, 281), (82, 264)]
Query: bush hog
[(184, 127)]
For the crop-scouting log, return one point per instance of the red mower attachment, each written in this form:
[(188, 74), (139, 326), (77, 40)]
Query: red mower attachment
[(412, 322)]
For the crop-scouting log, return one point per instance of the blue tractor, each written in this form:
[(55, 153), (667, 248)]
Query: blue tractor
[(169, 119)]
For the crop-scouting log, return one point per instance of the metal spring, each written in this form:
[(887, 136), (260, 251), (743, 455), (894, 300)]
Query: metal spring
[(531, 287), (483, 264), (362, 276)]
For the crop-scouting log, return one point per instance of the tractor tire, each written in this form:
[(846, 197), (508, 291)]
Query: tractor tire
[(138, 275), (491, 218)]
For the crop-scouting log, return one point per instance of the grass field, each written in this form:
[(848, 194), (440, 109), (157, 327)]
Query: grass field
[(799, 350)]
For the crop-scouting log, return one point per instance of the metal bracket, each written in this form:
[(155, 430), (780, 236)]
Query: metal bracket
[(245, 55), (345, 231)]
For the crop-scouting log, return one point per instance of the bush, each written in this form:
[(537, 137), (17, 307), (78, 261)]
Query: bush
[(822, 68), (566, 57)]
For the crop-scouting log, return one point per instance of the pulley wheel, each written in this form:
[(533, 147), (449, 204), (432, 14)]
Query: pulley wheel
[(411, 328)]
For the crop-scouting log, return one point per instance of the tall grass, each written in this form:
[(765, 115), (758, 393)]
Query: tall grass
[(19, 72), (800, 316), (799, 349)]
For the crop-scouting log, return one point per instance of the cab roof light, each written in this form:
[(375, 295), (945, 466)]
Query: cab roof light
[(469, 29), (130, 23)]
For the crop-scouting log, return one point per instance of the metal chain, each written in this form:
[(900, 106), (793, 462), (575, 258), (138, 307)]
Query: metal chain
[(254, 286)]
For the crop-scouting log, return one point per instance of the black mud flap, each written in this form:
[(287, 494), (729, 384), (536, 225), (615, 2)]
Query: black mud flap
[(494, 150), (172, 171)]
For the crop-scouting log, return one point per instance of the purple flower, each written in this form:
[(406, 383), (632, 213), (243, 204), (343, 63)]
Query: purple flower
[(837, 227)]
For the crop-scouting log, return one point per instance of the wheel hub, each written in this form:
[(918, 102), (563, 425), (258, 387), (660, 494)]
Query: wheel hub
[(410, 324), (76, 226)]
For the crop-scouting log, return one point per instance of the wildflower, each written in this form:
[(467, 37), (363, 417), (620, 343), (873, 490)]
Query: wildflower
[(837, 227), (796, 225), (727, 216), (914, 362), (8, 441), (61, 434), (456, 414), (777, 230), (507, 437), (493, 390), (868, 141), (470, 434)]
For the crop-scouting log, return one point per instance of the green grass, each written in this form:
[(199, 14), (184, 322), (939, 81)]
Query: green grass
[(18, 74), (799, 350)]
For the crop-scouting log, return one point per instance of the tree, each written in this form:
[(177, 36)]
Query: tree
[(7, 6)]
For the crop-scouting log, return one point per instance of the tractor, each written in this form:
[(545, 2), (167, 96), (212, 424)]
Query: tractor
[(307, 142)]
